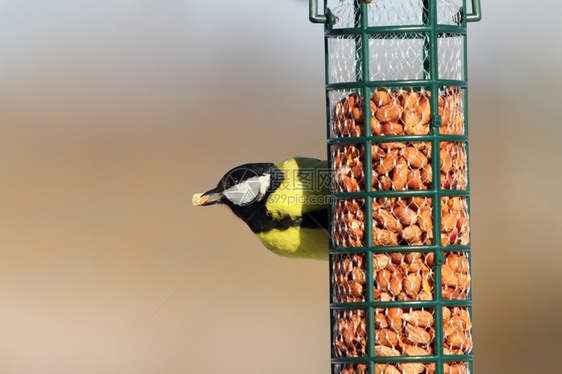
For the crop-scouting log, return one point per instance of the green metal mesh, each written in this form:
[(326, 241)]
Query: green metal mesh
[(396, 94)]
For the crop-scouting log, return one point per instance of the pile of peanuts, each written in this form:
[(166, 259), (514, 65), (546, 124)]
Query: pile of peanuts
[(401, 166), (454, 221), (349, 277), (348, 226), (403, 332), (350, 333), (403, 276), (398, 166), (399, 112), (405, 368), (452, 156), (455, 276), (400, 221), (400, 276)]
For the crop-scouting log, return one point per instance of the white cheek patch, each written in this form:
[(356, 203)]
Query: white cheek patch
[(248, 191), (265, 181)]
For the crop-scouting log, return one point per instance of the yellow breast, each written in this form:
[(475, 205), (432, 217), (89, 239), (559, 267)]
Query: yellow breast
[(297, 242)]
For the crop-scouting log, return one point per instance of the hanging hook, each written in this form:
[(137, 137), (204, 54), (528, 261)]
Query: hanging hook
[(476, 14), (313, 14)]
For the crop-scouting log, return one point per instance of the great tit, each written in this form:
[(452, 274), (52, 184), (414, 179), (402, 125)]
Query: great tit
[(285, 204)]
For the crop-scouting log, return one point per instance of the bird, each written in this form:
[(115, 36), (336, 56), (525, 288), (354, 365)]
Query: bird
[(284, 204)]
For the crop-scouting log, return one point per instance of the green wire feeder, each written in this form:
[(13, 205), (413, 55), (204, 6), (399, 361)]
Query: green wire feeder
[(396, 94)]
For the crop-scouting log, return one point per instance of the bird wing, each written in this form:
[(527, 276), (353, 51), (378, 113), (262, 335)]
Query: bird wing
[(304, 191)]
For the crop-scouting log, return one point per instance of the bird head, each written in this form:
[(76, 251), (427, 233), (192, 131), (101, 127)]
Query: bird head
[(242, 186)]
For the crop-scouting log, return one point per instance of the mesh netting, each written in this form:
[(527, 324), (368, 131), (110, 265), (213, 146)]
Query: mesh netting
[(417, 368), (400, 234), (398, 166), (394, 12), (343, 54), (448, 12), (396, 112), (451, 56), (395, 57), (401, 332), (399, 55), (400, 276)]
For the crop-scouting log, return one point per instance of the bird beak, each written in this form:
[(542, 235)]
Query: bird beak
[(208, 198)]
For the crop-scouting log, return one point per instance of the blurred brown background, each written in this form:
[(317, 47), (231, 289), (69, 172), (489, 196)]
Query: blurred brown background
[(113, 113)]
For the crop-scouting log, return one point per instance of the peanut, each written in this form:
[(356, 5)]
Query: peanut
[(400, 174), (386, 337), (392, 128), (387, 220), (388, 162), (417, 335), (424, 219), (416, 350), (412, 235), (390, 112), (381, 97), (384, 351), (394, 318), (382, 280), (386, 369), (415, 158), (422, 318), (380, 261), (409, 99), (424, 110), (412, 285), (411, 368), (384, 237), (414, 180), (405, 215)]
